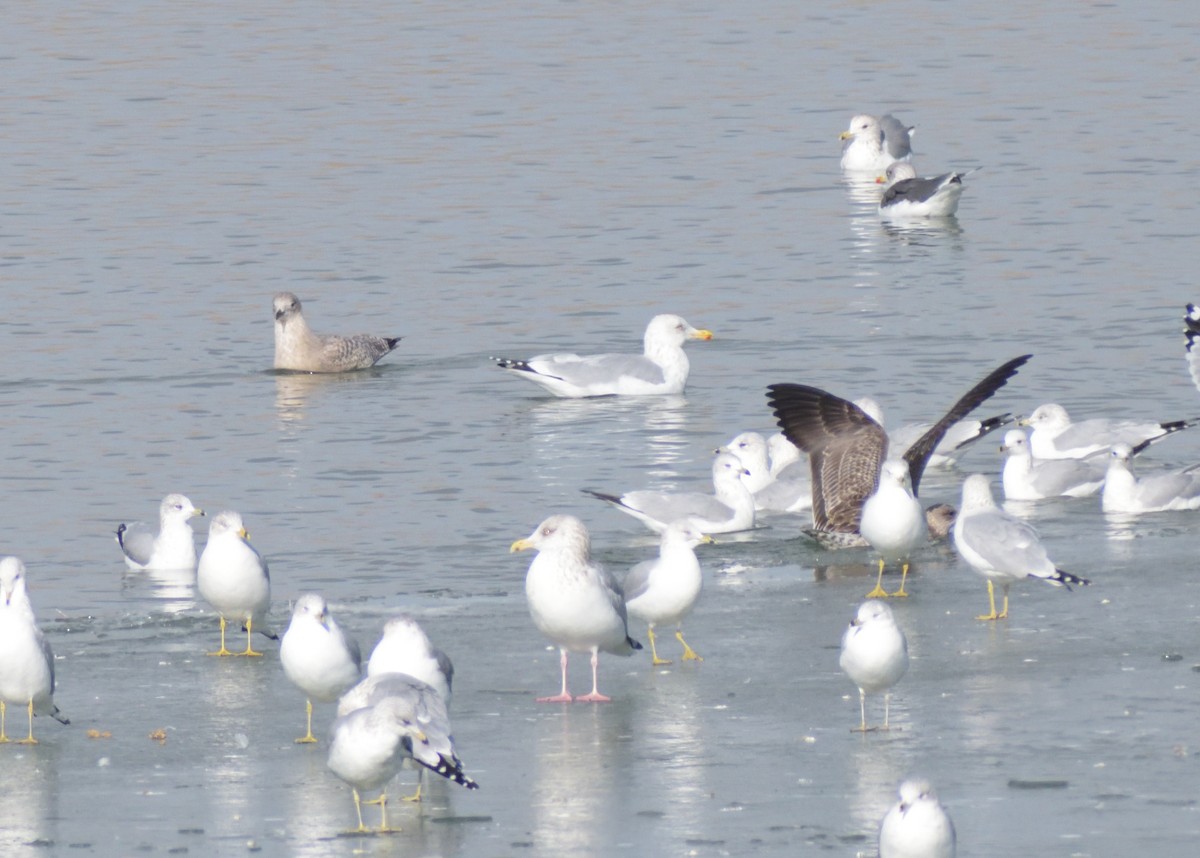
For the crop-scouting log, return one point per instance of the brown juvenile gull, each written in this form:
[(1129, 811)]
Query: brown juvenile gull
[(847, 449), (662, 368), (298, 348)]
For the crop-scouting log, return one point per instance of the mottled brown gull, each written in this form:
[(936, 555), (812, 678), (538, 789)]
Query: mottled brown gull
[(298, 348)]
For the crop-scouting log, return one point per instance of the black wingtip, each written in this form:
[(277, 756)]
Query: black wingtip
[(1066, 579), (602, 496), (121, 528), (392, 342)]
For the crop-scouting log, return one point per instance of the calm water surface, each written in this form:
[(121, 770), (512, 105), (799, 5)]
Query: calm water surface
[(485, 179)]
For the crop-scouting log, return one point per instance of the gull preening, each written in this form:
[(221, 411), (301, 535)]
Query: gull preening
[(664, 590), (874, 655), (172, 546), (318, 656), (662, 368), (298, 348), (1001, 548), (233, 577), (871, 144), (1055, 436), (573, 600), (26, 660), (1125, 493), (1027, 478), (917, 826), (908, 195)]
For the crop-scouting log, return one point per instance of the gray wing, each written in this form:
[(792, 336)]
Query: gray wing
[(896, 136), (1162, 489), (1055, 476), (445, 666), (352, 647), (597, 369), (356, 352), (917, 190), (637, 581), (612, 589), (667, 507), (136, 541), (1005, 543)]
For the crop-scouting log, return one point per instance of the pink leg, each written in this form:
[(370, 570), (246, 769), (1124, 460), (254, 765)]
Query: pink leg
[(595, 696), (562, 696)]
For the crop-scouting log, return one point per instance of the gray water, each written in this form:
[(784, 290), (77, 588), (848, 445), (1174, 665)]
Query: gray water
[(482, 179)]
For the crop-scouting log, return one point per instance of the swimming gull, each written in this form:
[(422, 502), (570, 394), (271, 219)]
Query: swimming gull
[(871, 144), (26, 660), (318, 656), (298, 348), (751, 449), (908, 195), (893, 522), (1000, 547), (874, 655), (172, 547), (1054, 436), (1026, 478), (662, 368), (1125, 493), (665, 589), (573, 600), (730, 509), (405, 648), (846, 448), (917, 826), (233, 578), (786, 486)]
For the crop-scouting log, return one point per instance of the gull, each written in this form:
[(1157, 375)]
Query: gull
[(233, 578), (1054, 436), (405, 648), (958, 437), (1125, 493), (1026, 478), (752, 451), (940, 518), (662, 368), (298, 348), (317, 656), (173, 547), (401, 718), (26, 660), (847, 448), (893, 522), (874, 655), (665, 590), (871, 144), (1000, 547), (1191, 330), (907, 195), (573, 600), (731, 508), (917, 826), (775, 474)]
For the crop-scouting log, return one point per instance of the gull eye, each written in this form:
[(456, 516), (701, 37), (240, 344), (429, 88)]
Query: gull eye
[(546, 531)]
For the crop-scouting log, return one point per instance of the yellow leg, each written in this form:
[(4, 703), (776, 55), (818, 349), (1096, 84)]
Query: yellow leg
[(383, 823), (416, 796), (29, 740), (1004, 613), (901, 594), (3, 736), (992, 615), (362, 829), (878, 592), (249, 632), (308, 738), (689, 654), (655, 660), (222, 650)]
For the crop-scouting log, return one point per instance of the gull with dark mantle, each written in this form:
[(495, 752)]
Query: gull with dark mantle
[(298, 348), (908, 195), (847, 450)]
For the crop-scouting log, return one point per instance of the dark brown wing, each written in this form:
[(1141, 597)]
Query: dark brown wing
[(845, 449), (918, 454)]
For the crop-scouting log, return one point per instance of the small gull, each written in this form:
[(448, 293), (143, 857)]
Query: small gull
[(777, 477), (405, 648), (317, 656), (751, 449), (874, 655), (846, 448), (893, 522), (1000, 547), (871, 144), (906, 195), (1125, 493), (298, 348), (729, 509), (1191, 331), (665, 590), (403, 719), (233, 578), (662, 368), (957, 439), (172, 547), (1054, 436), (574, 601), (1026, 478), (917, 826), (26, 660)]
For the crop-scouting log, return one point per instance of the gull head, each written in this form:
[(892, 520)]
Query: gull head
[(1048, 416), (557, 533), (227, 522), (287, 306), (872, 611), (12, 579), (1015, 443), (177, 506), (311, 605)]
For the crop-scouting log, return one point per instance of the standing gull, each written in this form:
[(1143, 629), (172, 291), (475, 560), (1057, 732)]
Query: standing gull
[(917, 826), (405, 648), (1001, 548), (1026, 478), (317, 656), (172, 547), (871, 144), (665, 590), (1125, 493), (906, 195), (573, 600), (661, 368), (26, 660), (1054, 436), (893, 522), (874, 655), (298, 348), (233, 578), (729, 509)]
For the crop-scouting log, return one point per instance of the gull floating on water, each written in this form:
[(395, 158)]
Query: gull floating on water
[(172, 547), (776, 474), (907, 195), (874, 655), (871, 143), (665, 590), (662, 368), (1125, 493), (233, 578), (317, 656), (1054, 436), (917, 826), (298, 348), (26, 660), (1001, 548), (1026, 478), (574, 601)]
